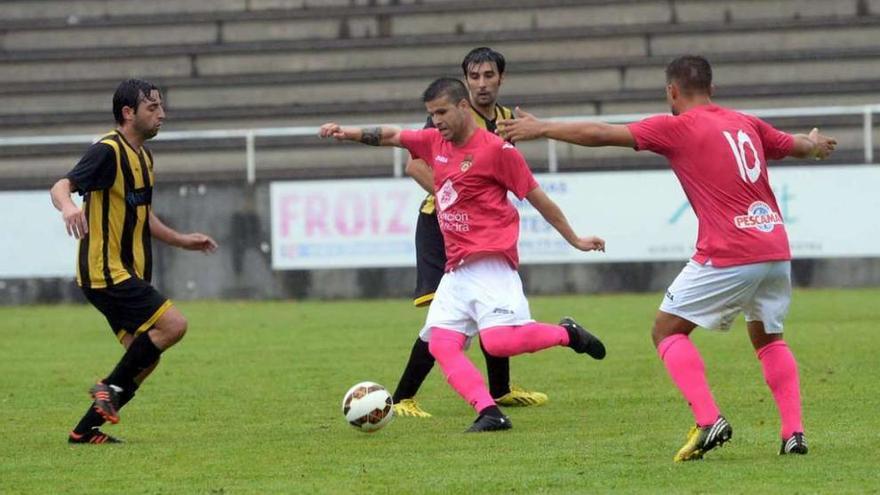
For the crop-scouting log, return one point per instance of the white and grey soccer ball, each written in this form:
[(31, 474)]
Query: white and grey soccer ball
[(367, 406)]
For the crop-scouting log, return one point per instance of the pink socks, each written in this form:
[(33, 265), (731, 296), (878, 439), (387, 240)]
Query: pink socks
[(446, 347), (780, 371), (532, 337), (686, 368)]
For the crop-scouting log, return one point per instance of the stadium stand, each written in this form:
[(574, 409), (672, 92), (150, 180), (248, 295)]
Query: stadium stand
[(259, 63)]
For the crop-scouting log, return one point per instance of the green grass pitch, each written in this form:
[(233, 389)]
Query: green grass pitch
[(249, 402)]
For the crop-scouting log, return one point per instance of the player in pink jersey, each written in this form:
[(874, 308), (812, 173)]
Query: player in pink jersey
[(481, 291), (742, 259)]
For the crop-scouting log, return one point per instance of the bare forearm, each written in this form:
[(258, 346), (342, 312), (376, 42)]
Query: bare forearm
[(60, 194), (163, 232), (373, 136), (552, 214), (588, 133)]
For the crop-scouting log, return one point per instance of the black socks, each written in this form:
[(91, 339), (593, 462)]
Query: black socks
[(140, 355), (498, 373), (417, 368)]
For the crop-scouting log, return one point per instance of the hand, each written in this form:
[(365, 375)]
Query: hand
[(198, 242), (332, 129), (524, 128), (822, 145), (590, 243), (75, 222)]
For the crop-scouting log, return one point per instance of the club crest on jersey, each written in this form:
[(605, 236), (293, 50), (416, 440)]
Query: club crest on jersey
[(446, 195), (760, 217), (467, 162)]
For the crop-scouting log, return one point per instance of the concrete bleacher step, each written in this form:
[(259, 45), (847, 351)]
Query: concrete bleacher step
[(51, 14), (72, 10), (595, 84), (328, 23), (573, 92), (654, 32), (739, 10)]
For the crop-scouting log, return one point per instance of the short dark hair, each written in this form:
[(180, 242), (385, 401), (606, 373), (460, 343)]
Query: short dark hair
[(482, 54), (453, 89), (692, 73), (129, 94)]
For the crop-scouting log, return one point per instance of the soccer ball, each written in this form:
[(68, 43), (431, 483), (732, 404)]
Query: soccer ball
[(367, 406)]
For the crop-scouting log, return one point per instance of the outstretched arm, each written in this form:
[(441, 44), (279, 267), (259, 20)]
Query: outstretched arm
[(813, 145), (373, 136), (527, 127), (554, 216), (195, 241), (73, 215)]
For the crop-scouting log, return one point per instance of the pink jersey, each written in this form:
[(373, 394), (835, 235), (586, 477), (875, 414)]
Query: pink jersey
[(720, 157), (470, 186)]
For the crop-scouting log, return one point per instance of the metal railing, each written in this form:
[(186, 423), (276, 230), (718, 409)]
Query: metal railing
[(249, 135)]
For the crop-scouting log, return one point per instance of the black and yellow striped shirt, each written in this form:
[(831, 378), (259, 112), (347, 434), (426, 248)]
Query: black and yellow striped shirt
[(501, 113), (116, 182)]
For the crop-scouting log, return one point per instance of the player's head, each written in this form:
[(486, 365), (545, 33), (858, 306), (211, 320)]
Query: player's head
[(483, 70), (138, 104), (687, 77), (446, 101)]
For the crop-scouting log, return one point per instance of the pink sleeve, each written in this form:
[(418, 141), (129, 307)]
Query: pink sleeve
[(418, 143), (513, 172), (654, 134), (777, 144)]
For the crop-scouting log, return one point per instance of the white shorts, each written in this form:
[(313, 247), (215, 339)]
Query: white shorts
[(712, 297), (481, 294)]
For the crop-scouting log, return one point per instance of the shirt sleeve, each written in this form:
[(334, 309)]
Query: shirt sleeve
[(655, 134), (96, 170), (777, 144), (513, 172), (429, 124), (418, 143)]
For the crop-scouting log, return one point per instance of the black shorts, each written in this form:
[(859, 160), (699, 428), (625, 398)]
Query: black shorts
[(131, 307), (430, 258)]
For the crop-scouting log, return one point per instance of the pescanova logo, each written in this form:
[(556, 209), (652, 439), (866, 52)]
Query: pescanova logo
[(760, 217)]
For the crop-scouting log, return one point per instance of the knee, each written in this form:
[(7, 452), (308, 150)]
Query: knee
[(444, 344), (440, 348), (493, 345), (173, 329), (666, 325), (657, 333), (178, 330)]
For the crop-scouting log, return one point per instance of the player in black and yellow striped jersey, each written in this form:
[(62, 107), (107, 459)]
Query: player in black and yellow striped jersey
[(114, 262), (483, 70)]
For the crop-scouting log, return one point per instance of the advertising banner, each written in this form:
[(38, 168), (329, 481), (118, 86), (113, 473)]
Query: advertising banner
[(829, 211)]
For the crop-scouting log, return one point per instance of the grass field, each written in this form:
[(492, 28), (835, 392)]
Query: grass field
[(249, 403)]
